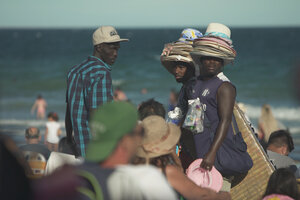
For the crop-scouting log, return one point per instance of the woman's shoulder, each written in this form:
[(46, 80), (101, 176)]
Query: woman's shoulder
[(172, 170)]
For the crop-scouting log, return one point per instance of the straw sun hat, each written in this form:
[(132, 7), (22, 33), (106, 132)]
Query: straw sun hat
[(160, 137), (215, 43), (180, 50)]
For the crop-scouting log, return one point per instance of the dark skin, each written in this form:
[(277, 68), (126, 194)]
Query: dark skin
[(226, 93), (182, 72), (107, 52)]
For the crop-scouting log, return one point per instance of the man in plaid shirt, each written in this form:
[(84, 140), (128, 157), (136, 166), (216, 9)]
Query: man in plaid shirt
[(90, 86)]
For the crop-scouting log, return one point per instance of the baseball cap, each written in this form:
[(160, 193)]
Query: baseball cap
[(108, 125), (106, 34)]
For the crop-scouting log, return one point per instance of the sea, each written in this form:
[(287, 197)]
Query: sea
[(36, 61)]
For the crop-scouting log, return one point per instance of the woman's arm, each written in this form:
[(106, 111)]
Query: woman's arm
[(187, 188), (33, 107)]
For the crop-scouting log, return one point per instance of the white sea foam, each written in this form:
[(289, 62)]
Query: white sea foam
[(19, 122), (280, 113), (118, 82)]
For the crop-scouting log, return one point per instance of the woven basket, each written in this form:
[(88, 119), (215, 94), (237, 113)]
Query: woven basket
[(253, 185)]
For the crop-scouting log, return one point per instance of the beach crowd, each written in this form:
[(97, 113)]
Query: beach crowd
[(116, 150)]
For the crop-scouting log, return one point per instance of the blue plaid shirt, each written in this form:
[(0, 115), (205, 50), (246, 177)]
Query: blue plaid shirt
[(89, 86)]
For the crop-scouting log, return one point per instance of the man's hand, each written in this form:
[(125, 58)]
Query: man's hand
[(208, 161)]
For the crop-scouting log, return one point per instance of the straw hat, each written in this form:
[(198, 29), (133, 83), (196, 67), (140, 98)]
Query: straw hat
[(160, 137), (215, 43), (180, 50), (208, 179), (218, 30)]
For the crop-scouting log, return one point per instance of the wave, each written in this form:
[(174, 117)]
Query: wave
[(21, 122), (280, 113), (118, 82)]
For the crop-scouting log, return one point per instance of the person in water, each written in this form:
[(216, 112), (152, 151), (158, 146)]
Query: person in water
[(40, 106)]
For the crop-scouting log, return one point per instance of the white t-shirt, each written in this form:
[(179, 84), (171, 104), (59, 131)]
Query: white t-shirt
[(52, 127), (57, 159), (130, 182)]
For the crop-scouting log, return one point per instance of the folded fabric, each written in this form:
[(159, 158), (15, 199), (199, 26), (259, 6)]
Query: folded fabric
[(204, 178)]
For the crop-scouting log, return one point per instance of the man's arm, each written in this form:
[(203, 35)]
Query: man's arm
[(68, 125), (98, 92), (226, 99), (69, 131)]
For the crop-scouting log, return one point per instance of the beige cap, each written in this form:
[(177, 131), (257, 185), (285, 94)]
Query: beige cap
[(106, 34)]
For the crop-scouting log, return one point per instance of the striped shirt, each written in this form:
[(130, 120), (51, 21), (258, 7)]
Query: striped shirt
[(89, 86)]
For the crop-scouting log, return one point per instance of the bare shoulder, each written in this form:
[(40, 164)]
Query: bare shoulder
[(173, 170), (226, 89)]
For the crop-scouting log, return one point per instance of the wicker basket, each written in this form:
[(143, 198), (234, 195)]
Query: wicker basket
[(253, 185)]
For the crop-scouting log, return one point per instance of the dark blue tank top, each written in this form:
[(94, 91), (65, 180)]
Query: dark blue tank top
[(207, 92)]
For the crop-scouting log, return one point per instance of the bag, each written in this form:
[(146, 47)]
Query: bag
[(195, 116), (232, 157), (37, 163), (96, 193)]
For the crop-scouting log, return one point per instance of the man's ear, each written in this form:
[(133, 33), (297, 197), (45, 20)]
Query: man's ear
[(98, 48), (284, 150)]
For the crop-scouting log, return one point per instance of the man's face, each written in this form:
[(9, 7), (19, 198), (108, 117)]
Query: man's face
[(108, 52), (210, 66), (179, 72)]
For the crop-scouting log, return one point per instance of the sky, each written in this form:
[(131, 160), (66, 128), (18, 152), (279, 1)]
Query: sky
[(147, 13)]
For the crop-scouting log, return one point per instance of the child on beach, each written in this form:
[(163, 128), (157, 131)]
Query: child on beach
[(53, 132)]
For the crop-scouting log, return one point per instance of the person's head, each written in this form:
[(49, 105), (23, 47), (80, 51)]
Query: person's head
[(39, 96), (210, 66), (182, 71), (266, 108), (151, 107), (176, 58), (283, 181), (53, 116), (32, 135), (106, 41), (214, 50), (115, 134), (159, 142), (281, 142)]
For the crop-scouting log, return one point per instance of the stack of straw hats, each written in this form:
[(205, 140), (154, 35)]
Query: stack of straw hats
[(180, 50), (215, 43)]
